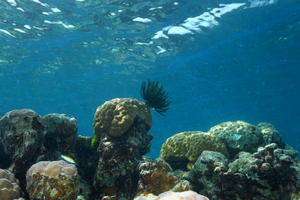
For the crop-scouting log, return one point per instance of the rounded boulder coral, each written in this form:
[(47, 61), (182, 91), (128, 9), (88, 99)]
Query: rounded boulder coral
[(250, 136), (115, 117), (9, 186), (52, 180), (189, 146), (187, 195)]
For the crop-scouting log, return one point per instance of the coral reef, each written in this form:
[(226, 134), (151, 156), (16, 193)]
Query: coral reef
[(22, 138), (234, 160), (156, 177), (61, 135), (155, 96), (187, 195), (115, 117), (205, 174), (86, 156), (123, 125), (9, 186), (186, 147), (5, 160), (115, 171), (86, 162), (268, 173), (146, 197), (250, 139), (95, 141), (52, 180), (270, 135)]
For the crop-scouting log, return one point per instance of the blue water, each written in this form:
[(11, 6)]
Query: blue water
[(245, 67)]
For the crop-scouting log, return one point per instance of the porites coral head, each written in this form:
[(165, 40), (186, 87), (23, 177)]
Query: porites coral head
[(187, 195)]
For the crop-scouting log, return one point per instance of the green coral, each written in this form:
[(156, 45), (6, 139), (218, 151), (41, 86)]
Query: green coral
[(155, 96), (95, 141), (81, 142)]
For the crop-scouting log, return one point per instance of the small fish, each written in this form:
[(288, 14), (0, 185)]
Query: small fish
[(236, 137), (67, 158)]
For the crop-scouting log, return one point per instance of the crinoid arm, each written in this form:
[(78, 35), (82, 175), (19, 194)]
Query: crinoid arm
[(155, 96)]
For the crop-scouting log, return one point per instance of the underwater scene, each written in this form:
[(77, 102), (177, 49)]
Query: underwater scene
[(149, 99)]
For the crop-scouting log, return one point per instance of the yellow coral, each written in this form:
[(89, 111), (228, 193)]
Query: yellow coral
[(115, 117), (190, 145)]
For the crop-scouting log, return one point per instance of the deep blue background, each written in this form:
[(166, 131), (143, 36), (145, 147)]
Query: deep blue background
[(247, 68)]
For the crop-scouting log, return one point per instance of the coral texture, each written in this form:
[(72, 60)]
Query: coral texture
[(115, 117), (270, 135), (86, 158), (268, 170), (22, 138), (60, 134), (206, 173), (187, 195), (146, 196), (157, 177), (250, 140), (190, 145), (52, 180), (9, 186), (115, 171), (268, 173)]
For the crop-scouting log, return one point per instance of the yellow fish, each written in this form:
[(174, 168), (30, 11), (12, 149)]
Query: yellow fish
[(67, 158)]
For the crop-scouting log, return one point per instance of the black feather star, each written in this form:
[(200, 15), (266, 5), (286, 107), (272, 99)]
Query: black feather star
[(155, 96)]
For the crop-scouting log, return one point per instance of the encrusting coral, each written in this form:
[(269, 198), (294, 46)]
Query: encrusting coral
[(52, 180), (9, 186), (155, 96)]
